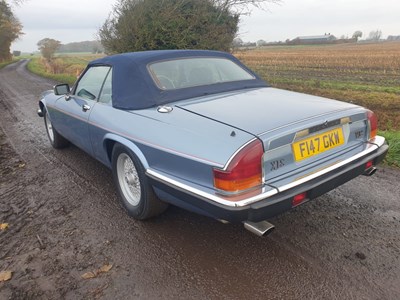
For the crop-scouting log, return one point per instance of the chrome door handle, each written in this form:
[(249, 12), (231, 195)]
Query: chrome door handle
[(85, 107)]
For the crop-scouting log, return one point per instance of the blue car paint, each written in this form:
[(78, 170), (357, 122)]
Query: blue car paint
[(174, 143), (72, 121), (259, 110), (204, 132)]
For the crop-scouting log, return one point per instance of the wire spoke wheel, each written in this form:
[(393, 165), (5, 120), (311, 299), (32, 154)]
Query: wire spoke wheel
[(56, 140), (49, 128), (128, 179), (134, 190)]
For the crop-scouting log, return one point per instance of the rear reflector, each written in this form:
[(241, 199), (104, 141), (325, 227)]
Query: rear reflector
[(298, 199), (369, 164)]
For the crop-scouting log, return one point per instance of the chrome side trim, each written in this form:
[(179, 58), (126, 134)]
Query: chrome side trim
[(208, 196), (374, 144)]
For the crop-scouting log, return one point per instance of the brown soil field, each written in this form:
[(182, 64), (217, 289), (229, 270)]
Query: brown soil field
[(366, 74)]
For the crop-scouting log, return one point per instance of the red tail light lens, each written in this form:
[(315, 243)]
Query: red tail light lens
[(373, 124), (243, 172)]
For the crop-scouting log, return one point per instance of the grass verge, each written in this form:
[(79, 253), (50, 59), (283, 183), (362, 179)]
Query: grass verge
[(3, 64), (393, 138), (64, 68), (36, 66)]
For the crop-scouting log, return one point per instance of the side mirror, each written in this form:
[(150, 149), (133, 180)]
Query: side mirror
[(61, 89)]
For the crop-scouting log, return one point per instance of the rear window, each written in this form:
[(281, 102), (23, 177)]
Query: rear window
[(191, 72)]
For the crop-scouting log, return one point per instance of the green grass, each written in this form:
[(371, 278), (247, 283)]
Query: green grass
[(36, 67), (65, 67), (393, 138), (3, 64), (330, 84)]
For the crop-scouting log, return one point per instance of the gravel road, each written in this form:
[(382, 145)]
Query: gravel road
[(64, 221)]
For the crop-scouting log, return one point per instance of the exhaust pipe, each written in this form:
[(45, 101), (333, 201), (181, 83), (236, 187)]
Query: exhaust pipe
[(369, 172), (259, 228)]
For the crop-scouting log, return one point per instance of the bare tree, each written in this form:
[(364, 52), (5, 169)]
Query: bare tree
[(17, 2), (237, 42), (375, 35), (243, 7), (48, 47), (357, 34), (261, 43)]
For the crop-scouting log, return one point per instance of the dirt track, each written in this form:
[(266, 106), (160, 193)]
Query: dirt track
[(64, 221)]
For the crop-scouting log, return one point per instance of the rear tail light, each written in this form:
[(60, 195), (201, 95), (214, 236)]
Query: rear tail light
[(372, 123), (243, 172)]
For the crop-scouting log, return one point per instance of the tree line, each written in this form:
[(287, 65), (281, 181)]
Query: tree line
[(135, 25), (138, 25), (10, 30)]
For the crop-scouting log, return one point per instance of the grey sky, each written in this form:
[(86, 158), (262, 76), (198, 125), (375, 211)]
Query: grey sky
[(79, 20)]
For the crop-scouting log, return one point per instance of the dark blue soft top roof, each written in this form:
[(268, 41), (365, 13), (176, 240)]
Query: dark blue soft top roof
[(134, 88)]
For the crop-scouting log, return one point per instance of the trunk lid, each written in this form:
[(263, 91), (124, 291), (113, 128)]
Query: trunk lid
[(283, 120), (261, 110)]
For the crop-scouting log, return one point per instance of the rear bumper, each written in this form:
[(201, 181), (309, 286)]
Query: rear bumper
[(269, 203)]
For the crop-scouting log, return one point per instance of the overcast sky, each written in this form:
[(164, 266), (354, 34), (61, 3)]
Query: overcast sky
[(79, 20)]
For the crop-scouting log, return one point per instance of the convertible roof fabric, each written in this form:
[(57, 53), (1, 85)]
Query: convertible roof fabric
[(133, 87)]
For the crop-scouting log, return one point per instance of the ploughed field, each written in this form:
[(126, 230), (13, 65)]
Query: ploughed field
[(365, 74)]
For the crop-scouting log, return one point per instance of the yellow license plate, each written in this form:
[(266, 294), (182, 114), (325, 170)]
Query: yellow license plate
[(317, 144)]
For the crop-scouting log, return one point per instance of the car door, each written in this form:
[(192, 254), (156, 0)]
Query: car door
[(77, 107)]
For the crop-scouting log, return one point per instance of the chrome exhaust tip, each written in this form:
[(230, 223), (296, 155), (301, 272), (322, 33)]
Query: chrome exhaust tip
[(369, 172), (259, 228)]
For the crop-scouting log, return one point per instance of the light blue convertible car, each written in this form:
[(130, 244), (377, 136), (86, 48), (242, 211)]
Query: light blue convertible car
[(199, 130)]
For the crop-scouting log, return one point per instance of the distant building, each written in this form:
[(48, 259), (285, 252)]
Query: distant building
[(315, 39), (393, 38)]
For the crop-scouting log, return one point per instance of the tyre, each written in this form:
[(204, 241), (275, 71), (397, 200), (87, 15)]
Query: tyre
[(56, 140), (135, 192)]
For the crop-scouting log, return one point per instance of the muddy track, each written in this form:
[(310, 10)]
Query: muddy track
[(64, 220)]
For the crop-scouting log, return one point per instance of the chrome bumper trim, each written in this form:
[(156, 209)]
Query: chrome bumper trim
[(244, 199), (211, 197)]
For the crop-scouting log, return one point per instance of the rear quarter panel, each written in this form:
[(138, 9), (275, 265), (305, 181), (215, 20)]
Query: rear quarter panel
[(179, 143)]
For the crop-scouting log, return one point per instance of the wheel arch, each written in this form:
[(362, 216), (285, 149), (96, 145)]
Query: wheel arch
[(111, 139), (42, 108)]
